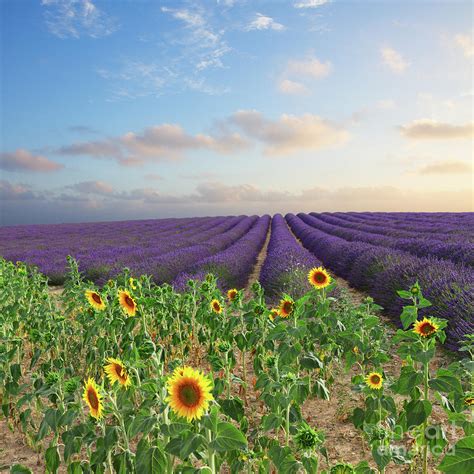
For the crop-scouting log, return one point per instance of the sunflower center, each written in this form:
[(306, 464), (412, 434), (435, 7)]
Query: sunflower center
[(217, 307), (129, 302), (96, 298), (319, 277), (375, 379), (120, 372), (287, 307), (189, 394), (93, 399), (427, 328)]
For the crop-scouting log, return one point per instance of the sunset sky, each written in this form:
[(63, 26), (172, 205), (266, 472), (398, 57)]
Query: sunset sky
[(141, 109)]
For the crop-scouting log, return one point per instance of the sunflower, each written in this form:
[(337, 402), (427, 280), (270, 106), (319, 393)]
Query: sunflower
[(93, 398), (189, 393), (127, 302), (274, 313), (425, 328), (286, 307), (131, 282), (232, 294), (116, 372), (216, 306), (319, 278), (95, 300), (469, 400), (374, 380)]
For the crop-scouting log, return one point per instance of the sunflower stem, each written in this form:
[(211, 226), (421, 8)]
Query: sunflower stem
[(287, 425), (210, 452), (426, 376)]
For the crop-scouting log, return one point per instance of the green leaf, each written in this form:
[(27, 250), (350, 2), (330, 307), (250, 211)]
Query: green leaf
[(228, 437), (52, 459), (271, 421), (408, 316), (460, 459), (233, 407), (417, 411), (150, 460), (446, 384), (284, 460), (382, 456), (408, 380), (20, 469)]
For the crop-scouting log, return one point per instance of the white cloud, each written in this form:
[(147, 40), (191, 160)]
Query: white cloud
[(310, 3), (76, 18), (446, 167), (289, 134), (311, 67), (286, 86), (23, 160), (262, 22), (427, 129), (466, 43), (158, 143), (393, 60)]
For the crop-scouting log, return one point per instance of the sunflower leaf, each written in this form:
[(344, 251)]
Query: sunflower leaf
[(228, 438)]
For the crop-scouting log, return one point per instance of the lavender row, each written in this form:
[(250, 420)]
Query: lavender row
[(287, 262), (430, 222), (167, 267), (381, 272), (233, 265), (383, 228), (461, 253), (102, 248)]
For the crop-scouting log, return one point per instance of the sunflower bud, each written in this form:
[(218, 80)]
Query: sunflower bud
[(223, 347), (52, 377), (308, 438), (71, 385)]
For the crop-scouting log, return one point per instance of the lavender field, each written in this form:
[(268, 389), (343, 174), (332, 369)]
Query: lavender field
[(377, 253)]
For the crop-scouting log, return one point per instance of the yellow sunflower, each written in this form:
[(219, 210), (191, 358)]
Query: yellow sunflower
[(469, 401), (116, 372), (131, 282), (374, 380), (95, 300), (93, 398), (232, 294), (286, 307), (319, 278), (216, 306), (274, 313), (189, 393), (425, 328), (127, 302)]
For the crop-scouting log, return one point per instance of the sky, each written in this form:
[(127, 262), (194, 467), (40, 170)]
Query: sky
[(114, 110)]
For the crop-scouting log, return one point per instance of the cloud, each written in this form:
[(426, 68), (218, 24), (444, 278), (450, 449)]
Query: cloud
[(262, 22), (23, 160), (92, 187), (312, 68), (289, 133), (427, 129), (286, 86), (310, 3), (158, 143), (10, 191), (20, 205), (466, 43), (394, 60), (76, 18), (446, 167)]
